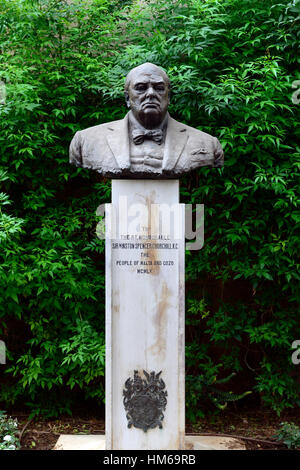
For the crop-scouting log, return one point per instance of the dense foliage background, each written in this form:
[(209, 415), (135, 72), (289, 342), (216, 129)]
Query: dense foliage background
[(232, 64)]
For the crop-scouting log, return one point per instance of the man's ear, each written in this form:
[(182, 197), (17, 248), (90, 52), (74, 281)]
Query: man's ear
[(126, 94)]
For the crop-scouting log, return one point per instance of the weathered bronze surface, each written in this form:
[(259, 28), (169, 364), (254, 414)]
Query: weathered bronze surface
[(145, 400), (148, 142)]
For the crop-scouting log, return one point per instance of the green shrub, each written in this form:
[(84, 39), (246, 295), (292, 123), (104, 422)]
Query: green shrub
[(232, 65), (8, 433), (289, 434)]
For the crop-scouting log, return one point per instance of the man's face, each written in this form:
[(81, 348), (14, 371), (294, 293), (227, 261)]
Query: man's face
[(148, 97)]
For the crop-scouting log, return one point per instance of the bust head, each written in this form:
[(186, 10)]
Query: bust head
[(147, 90)]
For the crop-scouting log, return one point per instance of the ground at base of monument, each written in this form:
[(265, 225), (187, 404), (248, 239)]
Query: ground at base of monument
[(255, 427), (97, 442)]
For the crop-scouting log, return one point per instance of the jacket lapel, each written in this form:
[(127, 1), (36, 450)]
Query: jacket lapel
[(118, 141), (176, 139)]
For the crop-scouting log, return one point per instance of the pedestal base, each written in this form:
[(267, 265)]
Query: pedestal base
[(97, 442)]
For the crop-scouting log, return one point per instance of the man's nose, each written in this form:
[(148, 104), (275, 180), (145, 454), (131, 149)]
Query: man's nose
[(150, 91)]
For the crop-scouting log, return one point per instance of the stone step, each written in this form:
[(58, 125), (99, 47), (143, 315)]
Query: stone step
[(97, 442)]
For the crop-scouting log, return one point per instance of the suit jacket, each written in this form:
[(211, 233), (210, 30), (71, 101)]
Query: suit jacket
[(105, 148)]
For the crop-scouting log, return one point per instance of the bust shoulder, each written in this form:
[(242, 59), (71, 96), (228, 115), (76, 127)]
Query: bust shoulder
[(202, 149), (99, 129), (89, 148)]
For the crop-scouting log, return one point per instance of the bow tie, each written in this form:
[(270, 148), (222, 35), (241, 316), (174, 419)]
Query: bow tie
[(139, 135)]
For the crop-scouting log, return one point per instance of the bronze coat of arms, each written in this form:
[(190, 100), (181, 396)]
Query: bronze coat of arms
[(145, 400)]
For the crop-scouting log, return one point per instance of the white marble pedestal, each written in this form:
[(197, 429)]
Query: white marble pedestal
[(145, 308)]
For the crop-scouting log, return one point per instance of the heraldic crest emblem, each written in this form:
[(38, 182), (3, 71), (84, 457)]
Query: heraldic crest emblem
[(145, 400)]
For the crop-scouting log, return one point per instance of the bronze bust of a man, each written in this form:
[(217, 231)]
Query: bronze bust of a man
[(148, 142)]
